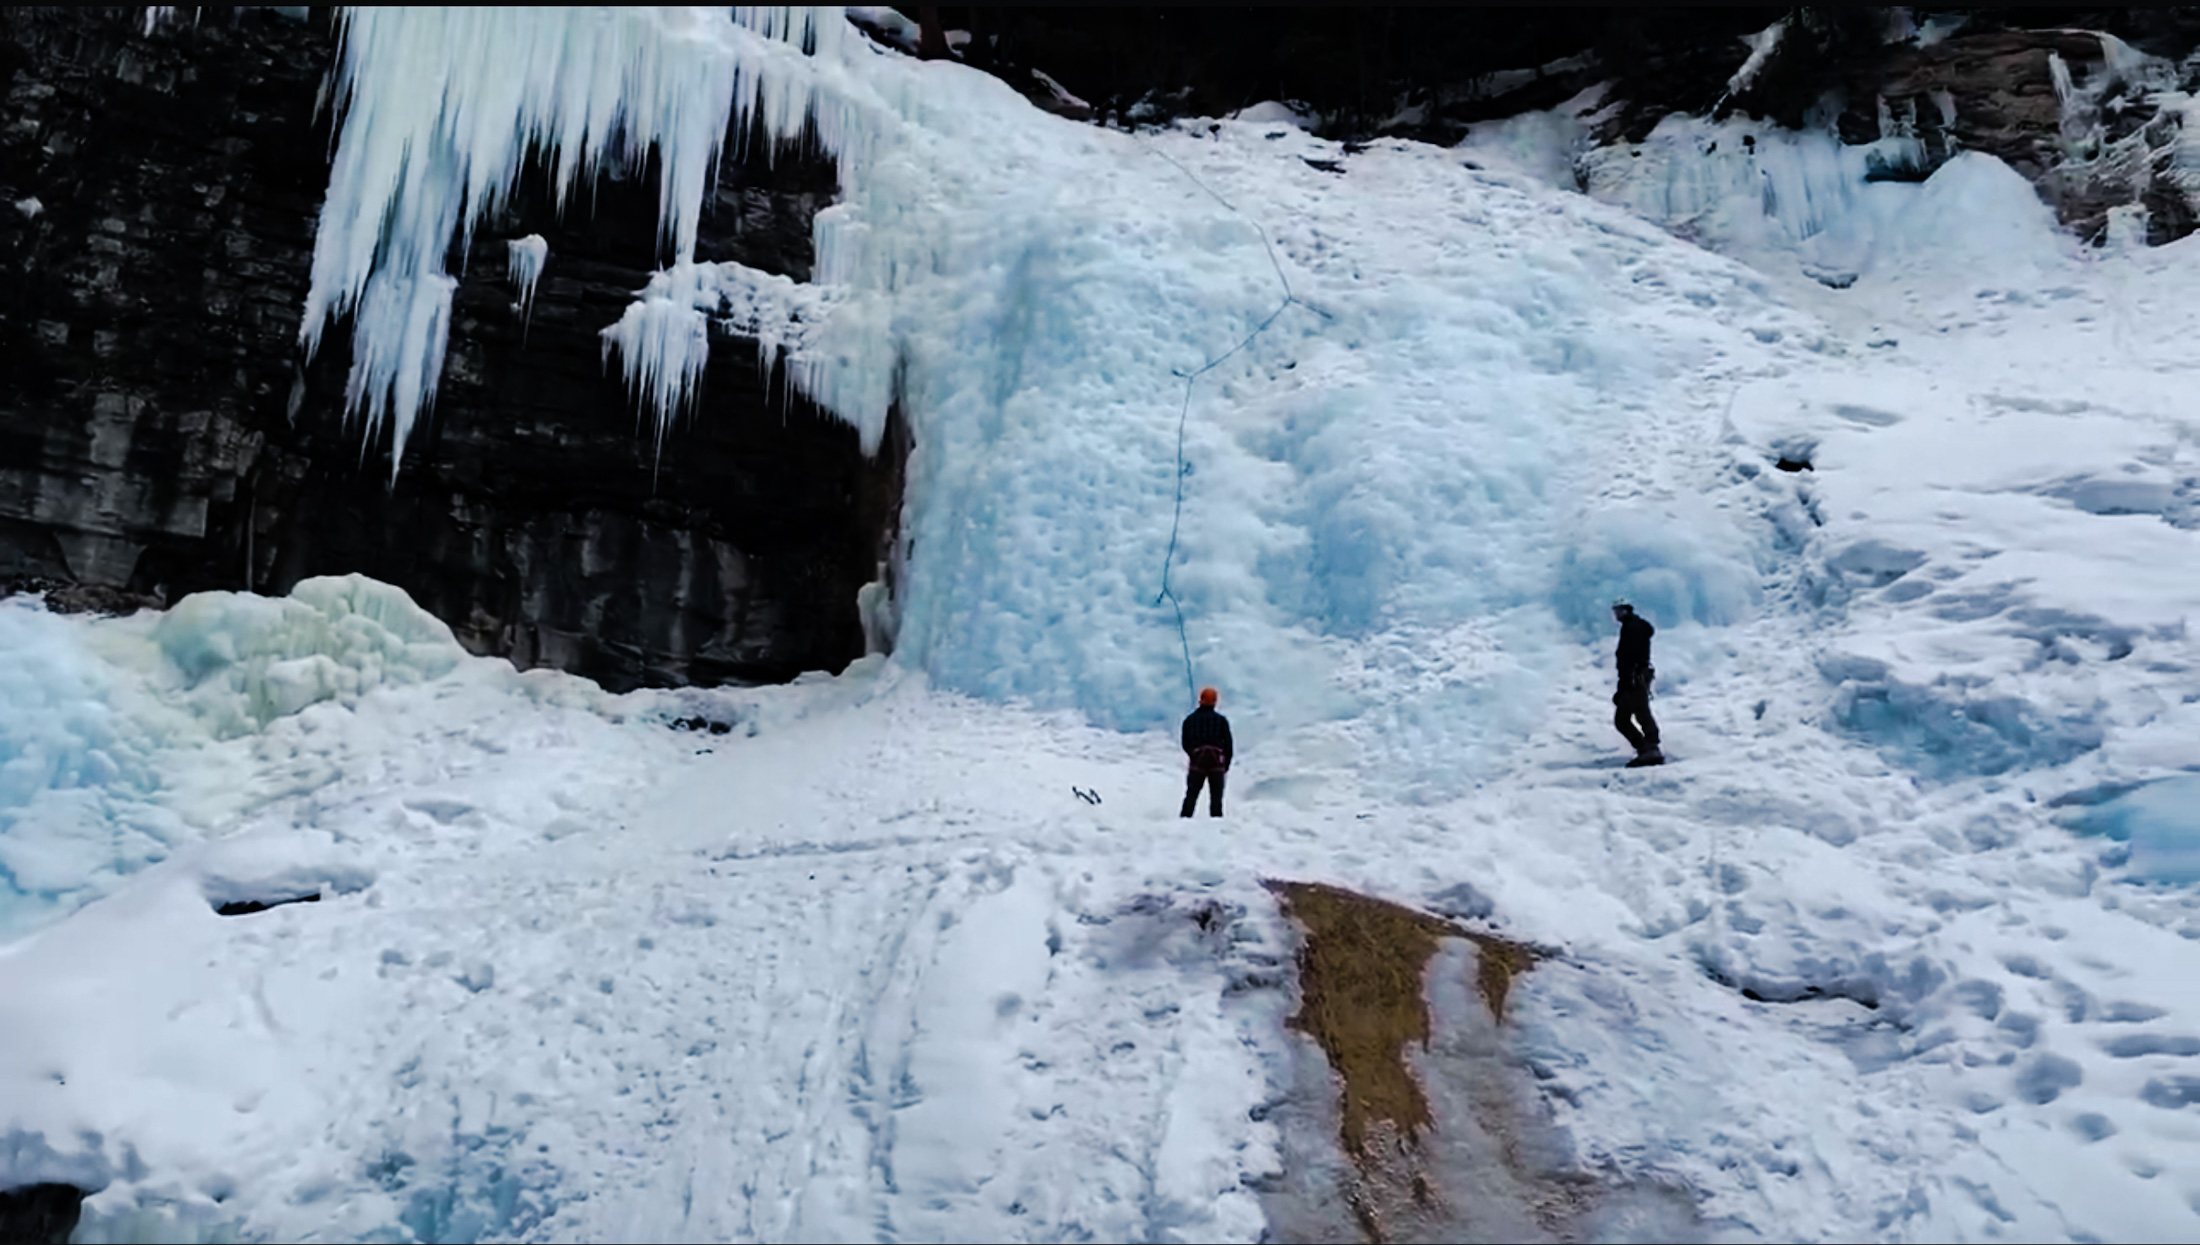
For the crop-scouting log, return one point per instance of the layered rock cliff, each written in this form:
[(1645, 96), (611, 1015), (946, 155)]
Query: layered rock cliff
[(159, 436)]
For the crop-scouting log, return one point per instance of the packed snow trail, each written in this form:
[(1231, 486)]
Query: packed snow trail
[(749, 1005), (852, 976), (1868, 961)]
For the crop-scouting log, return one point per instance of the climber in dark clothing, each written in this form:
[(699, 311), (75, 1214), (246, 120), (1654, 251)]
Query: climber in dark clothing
[(1631, 703), (1207, 743)]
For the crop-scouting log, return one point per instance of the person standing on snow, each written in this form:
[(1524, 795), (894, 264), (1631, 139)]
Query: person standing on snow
[(1207, 743), (1631, 703)]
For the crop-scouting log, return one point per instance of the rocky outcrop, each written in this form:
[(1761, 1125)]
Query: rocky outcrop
[(2090, 113), (2092, 120), (159, 434), (1422, 72), (40, 1213), (2086, 103)]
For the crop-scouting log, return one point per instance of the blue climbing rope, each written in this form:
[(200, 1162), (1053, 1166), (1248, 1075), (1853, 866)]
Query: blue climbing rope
[(1183, 416)]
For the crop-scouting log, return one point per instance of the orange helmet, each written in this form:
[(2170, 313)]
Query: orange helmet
[(1208, 696)]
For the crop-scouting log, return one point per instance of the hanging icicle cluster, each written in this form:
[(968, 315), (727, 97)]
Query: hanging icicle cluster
[(440, 108)]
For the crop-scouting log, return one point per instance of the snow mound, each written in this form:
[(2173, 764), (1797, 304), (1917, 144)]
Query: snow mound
[(272, 867), (1277, 112)]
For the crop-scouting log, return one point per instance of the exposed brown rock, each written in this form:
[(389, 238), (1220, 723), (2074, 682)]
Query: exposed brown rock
[(1362, 970)]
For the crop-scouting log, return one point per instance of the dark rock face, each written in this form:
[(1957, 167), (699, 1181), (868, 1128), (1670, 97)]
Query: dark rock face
[(2098, 140), (1431, 73), (1358, 66), (159, 435), (45, 1213)]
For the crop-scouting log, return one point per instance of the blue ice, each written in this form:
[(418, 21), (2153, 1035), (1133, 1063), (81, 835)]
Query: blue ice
[(2161, 822)]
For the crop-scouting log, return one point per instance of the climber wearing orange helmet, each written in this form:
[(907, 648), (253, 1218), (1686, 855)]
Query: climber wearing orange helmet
[(1207, 743)]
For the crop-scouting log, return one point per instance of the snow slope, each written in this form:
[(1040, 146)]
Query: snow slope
[(1900, 948)]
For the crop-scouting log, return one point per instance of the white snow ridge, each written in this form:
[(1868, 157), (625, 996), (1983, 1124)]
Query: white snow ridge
[(1900, 947)]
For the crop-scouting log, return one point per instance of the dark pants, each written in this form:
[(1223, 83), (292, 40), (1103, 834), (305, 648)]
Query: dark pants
[(1631, 704), (1192, 783)]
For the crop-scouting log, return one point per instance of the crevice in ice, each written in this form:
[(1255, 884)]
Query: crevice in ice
[(701, 724), (440, 108), (1762, 988), (246, 907)]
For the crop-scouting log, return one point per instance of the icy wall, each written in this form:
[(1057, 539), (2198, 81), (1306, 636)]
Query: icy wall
[(158, 437), (152, 453)]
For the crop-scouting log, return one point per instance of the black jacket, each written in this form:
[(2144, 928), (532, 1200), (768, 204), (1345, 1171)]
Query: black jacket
[(1634, 647), (1204, 727)]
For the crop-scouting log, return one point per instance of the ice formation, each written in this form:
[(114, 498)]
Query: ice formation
[(664, 335), (664, 339), (2160, 821), (242, 660), (887, 26), (114, 755), (440, 109), (1761, 47), (1787, 200), (1843, 971), (523, 264)]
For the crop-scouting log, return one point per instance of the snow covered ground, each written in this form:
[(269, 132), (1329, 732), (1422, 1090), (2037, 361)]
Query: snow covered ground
[(1901, 947)]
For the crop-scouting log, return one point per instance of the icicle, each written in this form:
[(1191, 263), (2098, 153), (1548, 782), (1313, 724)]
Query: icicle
[(2183, 168), (2058, 74), (394, 369), (1761, 47), (442, 106), (664, 340), (523, 262)]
